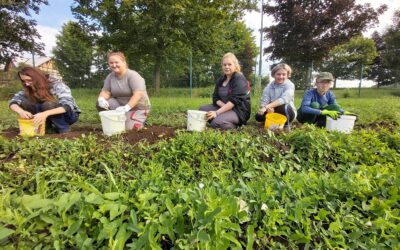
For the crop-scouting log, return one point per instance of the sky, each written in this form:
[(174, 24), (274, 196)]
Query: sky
[(51, 18)]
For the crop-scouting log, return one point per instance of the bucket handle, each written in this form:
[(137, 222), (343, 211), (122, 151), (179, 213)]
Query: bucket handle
[(194, 118), (119, 118)]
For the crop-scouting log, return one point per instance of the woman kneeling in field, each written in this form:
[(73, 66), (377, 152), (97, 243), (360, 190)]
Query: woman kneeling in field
[(230, 106), (45, 99), (124, 90)]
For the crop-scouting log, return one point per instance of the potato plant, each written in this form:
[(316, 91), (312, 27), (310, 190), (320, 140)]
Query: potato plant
[(307, 189)]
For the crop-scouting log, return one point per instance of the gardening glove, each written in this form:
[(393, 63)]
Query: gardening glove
[(103, 103), (331, 113), (124, 109), (349, 113)]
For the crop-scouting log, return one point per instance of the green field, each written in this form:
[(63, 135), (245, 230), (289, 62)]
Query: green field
[(170, 105), (241, 189)]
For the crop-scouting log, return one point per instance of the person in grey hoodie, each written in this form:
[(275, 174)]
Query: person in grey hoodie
[(278, 96)]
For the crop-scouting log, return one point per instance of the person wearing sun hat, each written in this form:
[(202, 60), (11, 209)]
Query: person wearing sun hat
[(320, 102)]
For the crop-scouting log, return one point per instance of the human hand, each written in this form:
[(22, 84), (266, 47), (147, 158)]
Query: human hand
[(261, 111), (211, 115), (124, 109), (39, 118), (270, 110), (331, 113), (25, 114), (103, 103)]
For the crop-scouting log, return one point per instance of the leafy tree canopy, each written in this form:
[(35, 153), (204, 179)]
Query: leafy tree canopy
[(74, 54), (17, 32), (307, 30), (392, 44), (346, 60), (149, 30)]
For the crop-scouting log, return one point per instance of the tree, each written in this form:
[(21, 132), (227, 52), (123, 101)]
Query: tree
[(305, 31), (244, 47), (18, 33), (150, 30), (386, 67), (73, 54), (346, 60), (391, 51)]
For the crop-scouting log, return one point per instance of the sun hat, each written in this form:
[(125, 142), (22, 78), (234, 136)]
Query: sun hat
[(324, 76)]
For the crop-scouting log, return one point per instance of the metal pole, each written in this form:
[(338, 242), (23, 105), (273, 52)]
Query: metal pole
[(190, 73), (261, 36), (33, 58), (361, 76)]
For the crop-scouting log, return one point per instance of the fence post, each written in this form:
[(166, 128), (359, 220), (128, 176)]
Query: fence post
[(190, 73), (361, 76)]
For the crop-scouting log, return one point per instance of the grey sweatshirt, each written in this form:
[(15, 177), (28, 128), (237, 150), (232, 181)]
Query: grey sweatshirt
[(283, 92)]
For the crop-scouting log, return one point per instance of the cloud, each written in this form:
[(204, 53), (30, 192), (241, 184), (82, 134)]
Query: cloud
[(48, 37)]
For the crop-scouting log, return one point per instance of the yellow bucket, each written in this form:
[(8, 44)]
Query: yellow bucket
[(28, 128), (274, 121)]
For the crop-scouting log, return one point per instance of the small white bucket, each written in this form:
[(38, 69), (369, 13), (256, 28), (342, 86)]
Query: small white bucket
[(196, 120), (112, 122), (344, 123)]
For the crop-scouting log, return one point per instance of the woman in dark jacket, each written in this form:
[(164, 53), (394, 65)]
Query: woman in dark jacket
[(231, 97)]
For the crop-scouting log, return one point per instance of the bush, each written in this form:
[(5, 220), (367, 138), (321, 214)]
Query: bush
[(396, 92), (346, 93)]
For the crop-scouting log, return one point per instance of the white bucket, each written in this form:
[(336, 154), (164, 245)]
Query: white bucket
[(112, 122), (344, 123), (196, 120)]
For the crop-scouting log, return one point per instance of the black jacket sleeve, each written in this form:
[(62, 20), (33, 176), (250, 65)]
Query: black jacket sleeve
[(238, 89), (240, 97)]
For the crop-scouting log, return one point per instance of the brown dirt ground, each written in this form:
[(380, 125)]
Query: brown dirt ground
[(150, 134)]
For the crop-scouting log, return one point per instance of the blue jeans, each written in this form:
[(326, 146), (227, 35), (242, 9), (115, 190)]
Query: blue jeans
[(61, 122), (318, 120)]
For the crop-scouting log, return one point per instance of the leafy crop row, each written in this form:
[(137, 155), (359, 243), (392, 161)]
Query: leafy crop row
[(306, 189)]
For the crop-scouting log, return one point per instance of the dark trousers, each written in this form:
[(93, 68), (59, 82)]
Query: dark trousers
[(283, 109), (61, 122), (318, 120)]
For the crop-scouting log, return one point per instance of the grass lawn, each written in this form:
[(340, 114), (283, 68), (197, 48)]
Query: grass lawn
[(170, 105)]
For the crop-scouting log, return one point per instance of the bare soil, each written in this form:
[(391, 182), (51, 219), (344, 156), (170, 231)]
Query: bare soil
[(150, 134)]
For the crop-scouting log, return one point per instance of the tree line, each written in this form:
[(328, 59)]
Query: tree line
[(164, 40)]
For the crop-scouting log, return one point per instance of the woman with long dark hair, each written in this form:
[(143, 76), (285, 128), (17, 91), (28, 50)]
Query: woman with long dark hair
[(45, 99)]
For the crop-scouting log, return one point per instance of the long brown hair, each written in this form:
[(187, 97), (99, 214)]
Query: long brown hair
[(39, 88)]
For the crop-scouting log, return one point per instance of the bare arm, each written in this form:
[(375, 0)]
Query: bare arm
[(133, 101), (20, 111), (273, 104), (220, 103), (105, 94), (226, 107), (42, 116)]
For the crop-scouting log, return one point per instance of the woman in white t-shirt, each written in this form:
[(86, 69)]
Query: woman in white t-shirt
[(124, 90)]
